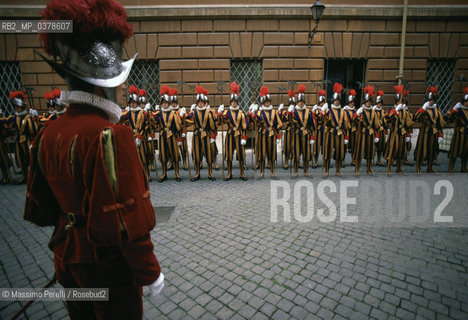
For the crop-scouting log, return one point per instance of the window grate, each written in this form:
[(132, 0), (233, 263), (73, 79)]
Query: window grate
[(440, 73), (248, 74), (10, 80), (145, 75)]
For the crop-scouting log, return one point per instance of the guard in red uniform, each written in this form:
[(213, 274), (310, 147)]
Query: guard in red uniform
[(85, 176)]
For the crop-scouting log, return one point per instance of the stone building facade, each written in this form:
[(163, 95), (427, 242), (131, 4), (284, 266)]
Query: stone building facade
[(270, 44)]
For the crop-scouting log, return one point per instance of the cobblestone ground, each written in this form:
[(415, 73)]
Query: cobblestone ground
[(223, 258)]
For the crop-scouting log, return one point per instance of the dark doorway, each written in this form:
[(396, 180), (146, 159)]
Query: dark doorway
[(346, 72)]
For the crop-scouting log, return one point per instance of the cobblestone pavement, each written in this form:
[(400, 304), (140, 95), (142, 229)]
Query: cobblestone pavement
[(223, 258)]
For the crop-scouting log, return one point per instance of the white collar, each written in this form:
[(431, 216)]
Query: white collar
[(349, 108), (112, 109), (336, 107), (201, 108), (377, 108), (268, 108), (136, 109), (430, 107), (175, 108), (303, 107), (234, 108), (166, 109), (366, 107), (22, 113)]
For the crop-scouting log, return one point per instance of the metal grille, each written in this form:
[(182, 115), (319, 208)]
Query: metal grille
[(440, 73), (145, 75), (248, 74), (10, 80)]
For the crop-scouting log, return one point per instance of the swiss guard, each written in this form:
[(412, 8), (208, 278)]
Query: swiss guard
[(317, 110), (236, 136), (269, 124), (459, 145), (399, 122), (350, 111), (182, 135), (204, 133), (367, 136), (169, 124), (287, 149), (304, 127), (91, 188), (430, 133), (50, 115), (380, 146), (335, 138), (24, 124)]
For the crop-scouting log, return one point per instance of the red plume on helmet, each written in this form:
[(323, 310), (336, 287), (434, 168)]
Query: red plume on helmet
[(406, 92), (337, 87), (322, 93), (291, 93), (142, 92), (234, 88), (49, 96), (18, 94), (164, 90), (264, 91), (56, 92), (465, 91), (352, 92), (301, 88), (92, 19), (369, 90), (174, 92), (199, 89), (380, 93), (133, 89), (434, 90), (398, 89)]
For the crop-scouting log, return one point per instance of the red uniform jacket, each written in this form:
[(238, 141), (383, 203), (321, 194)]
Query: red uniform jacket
[(83, 164)]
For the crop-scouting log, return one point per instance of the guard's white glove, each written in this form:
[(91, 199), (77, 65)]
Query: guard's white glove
[(408, 139), (182, 112), (399, 107), (243, 142), (179, 143), (457, 106), (183, 135), (360, 111), (386, 137), (156, 287), (221, 108), (157, 107), (33, 112), (147, 106), (376, 140), (208, 107), (440, 139), (315, 108), (281, 106), (261, 108), (278, 141), (254, 108), (291, 108), (311, 141), (192, 107), (212, 140), (425, 106), (346, 141), (127, 108), (324, 107), (137, 141)]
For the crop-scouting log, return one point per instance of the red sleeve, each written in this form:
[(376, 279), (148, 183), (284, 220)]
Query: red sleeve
[(118, 195)]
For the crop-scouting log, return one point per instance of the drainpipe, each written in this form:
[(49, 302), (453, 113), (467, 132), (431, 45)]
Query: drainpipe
[(403, 38)]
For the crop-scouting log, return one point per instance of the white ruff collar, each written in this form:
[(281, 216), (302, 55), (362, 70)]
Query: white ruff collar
[(303, 107), (377, 108), (166, 109), (349, 108), (175, 108), (430, 107), (201, 108), (234, 108), (336, 107), (461, 106), (22, 113), (112, 110), (366, 107), (136, 109), (268, 108)]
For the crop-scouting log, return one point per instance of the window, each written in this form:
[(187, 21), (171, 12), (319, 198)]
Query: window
[(440, 73), (10, 80), (248, 74), (347, 72), (145, 75)]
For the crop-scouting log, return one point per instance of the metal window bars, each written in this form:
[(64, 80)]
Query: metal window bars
[(10, 80), (248, 74), (145, 75)]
